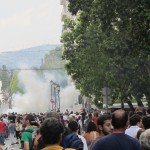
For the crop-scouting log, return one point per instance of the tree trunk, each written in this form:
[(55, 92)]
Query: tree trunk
[(122, 104), (148, 101), (139, 102), (130, 105)]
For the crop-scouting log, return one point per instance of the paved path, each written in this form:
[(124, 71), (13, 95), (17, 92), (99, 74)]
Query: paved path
[(11, 147)]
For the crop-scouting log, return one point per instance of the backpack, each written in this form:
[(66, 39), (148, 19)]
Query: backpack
[(73, 141), (33, 134)]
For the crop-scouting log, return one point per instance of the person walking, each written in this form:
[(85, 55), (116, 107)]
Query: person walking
[(11, 128), (2, 131), (26, 137)]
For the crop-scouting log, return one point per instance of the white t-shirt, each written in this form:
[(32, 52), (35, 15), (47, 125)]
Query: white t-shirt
[(132, 131), (85, 147)]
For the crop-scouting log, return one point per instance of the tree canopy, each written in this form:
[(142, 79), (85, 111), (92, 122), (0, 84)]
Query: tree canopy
[(108, 45)]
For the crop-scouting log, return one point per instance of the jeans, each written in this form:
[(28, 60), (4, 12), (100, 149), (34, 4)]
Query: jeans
[(12, 139), (2, 138), (6, 132)]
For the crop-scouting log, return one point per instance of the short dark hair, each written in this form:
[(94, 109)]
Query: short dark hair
[(91, 127), (134, 119), (119, 119), (51, 130), (73, 126), (146, 122), (31, 119), (101, 119)]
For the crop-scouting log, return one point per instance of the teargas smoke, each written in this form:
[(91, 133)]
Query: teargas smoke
[(69, 97), (4, 105), (37, 91)]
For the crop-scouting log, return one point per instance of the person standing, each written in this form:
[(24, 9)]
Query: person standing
[(51, 131), (68, 141), (11, 128), (18, 126), (135, 126), (91, 133), (38, 142), (2, 132), (104, 127), (83, 114), (118, 140), (5, 119), (26, 137)]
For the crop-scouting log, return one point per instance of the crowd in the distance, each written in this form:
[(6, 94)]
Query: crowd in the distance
[(119, 130)]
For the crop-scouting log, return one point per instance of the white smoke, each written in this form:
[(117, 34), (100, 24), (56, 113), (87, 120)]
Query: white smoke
[(36, 96), (69, 98), (37, 93)]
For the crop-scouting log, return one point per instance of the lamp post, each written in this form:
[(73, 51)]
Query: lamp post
[(58, 90), (55, 89), (51, 100), (55, 97)]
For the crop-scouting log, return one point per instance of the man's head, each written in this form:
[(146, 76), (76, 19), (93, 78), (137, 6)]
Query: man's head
[(91, 127), (73, 126), (104, 124), (28, 120), (135, 120), (119, 119), (51, 131)]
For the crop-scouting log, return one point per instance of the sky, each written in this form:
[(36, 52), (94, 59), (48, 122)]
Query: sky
[(29, 23)]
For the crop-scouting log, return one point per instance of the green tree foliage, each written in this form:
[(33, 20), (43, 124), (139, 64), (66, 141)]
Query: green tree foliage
[(14, 85), (53, 63), (53, 60), (5, 77), (108, 45)]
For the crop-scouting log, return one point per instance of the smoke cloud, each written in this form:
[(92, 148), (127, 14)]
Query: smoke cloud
[(36, 97)]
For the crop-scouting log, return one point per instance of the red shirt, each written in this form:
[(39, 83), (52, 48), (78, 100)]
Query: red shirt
[(2, 126)]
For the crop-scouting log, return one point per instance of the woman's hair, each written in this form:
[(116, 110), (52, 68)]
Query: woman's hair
[(145, 140), (140, 131)]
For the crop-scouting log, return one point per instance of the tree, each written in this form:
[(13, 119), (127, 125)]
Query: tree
[(108, 44), (14, 85), (53, 60), (5, 78)]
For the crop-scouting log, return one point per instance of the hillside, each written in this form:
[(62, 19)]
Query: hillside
[(31, 57)]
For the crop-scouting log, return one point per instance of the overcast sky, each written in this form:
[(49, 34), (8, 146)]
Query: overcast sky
[(28, 23)]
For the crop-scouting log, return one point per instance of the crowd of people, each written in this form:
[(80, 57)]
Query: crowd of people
[(119, 130)]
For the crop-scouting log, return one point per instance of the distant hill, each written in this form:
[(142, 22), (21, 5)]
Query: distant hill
[(31, 57)]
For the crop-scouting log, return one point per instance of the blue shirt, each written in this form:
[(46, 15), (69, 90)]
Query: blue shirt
[(117, 141)]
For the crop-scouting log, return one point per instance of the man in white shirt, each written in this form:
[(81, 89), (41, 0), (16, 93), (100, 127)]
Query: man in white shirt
[(135, 125)]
